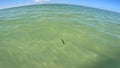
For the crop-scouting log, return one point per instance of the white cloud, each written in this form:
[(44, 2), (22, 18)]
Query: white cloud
[(39, 1)]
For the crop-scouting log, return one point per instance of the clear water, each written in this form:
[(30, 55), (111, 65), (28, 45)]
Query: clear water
[(31, 37)]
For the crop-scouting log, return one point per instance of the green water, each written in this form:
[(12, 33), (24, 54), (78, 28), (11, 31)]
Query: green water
[(31, 37)]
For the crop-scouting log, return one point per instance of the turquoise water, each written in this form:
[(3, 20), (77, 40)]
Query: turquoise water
[(31, 37)]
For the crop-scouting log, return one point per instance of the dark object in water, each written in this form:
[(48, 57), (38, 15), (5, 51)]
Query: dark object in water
[(63, 41)]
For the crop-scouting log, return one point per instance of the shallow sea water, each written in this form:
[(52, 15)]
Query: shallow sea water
[(31, 37)]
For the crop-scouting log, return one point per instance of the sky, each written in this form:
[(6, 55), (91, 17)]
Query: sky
[(111, 5)]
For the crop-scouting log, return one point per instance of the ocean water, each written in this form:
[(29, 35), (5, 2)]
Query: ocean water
[(59, 36)]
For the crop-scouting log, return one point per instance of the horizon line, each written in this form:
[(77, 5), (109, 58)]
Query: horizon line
[(57, 4)]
